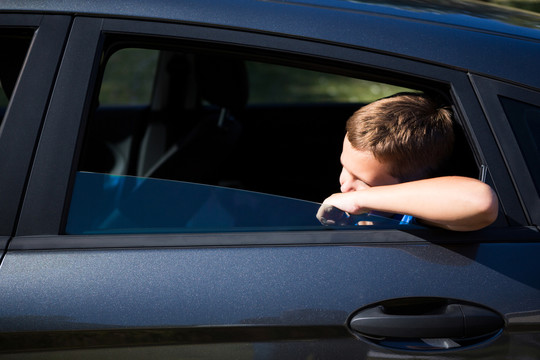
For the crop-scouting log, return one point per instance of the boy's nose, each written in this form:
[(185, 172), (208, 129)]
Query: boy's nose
[(346, 181), (347, 186)]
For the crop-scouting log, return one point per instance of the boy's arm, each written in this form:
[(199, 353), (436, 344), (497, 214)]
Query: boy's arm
[(451, 202)]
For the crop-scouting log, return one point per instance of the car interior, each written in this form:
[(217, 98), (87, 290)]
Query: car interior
[(11, 62), (200, 126)]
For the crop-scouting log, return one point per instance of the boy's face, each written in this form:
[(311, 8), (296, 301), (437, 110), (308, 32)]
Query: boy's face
[(361, 170)]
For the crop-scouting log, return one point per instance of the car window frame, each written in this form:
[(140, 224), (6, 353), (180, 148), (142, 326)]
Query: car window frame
[(44, 212), (489, 91), (25, 111)]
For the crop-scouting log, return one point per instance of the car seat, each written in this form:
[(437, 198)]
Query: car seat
[(196, 130)]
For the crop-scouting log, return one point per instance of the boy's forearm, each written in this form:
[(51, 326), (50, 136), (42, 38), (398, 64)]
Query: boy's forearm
[(454, 203)]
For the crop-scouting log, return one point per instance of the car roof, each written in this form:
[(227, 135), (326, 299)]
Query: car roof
[(479, 38)]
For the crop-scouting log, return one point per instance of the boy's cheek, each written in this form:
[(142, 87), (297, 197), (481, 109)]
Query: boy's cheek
[(362, 185), (349, 185)]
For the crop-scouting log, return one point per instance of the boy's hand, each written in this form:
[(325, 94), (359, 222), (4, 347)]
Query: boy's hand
[(347, 202), (329, 215)]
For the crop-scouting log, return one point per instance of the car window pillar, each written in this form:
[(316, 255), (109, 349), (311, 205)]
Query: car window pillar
[(24, 115), (56, 147)]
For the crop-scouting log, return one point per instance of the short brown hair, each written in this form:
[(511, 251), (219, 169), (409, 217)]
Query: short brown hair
[(411, 132)]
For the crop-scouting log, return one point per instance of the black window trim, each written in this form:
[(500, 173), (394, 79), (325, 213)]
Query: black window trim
[(386, 237)]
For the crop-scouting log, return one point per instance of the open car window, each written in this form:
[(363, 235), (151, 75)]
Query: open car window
[(187, 141)]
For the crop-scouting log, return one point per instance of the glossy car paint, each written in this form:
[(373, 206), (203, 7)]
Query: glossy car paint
[(252, 294), (217, 295), (452, 33)]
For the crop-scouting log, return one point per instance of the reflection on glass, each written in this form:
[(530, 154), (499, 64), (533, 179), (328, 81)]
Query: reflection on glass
[(104, 203)]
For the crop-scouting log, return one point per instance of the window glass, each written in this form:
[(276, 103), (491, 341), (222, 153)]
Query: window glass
[(275, 84), (525, 122), (182, 141), (108, 204), (14, 48), (128, 77)]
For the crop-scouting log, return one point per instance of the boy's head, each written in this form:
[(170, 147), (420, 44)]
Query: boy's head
[(409, 134)]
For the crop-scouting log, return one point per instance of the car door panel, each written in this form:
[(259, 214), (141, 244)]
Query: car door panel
[(282, 293)]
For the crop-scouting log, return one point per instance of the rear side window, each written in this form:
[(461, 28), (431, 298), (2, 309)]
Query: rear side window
[(525, 122), (184, 141)]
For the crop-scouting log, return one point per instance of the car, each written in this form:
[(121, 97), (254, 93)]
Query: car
[(163, 162)]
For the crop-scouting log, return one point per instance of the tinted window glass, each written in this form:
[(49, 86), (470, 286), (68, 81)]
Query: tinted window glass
[(184, 141), (14, 48), (525, 122), (123, 204), (129, 77)]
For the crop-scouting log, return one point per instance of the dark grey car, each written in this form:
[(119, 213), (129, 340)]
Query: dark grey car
[(162, 163)]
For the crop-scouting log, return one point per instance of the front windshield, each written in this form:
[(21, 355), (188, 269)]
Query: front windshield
[(104, 203)]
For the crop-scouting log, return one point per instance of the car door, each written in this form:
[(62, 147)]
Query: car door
[(251, 291)]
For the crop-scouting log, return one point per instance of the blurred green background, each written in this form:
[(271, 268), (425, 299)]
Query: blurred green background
[(531, 5)]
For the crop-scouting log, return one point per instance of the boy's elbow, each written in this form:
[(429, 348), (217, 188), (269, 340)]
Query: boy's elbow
[(485, 209), (488, 207), (482, 210)]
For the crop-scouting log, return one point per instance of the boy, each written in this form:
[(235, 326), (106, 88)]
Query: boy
[(391, 149)]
